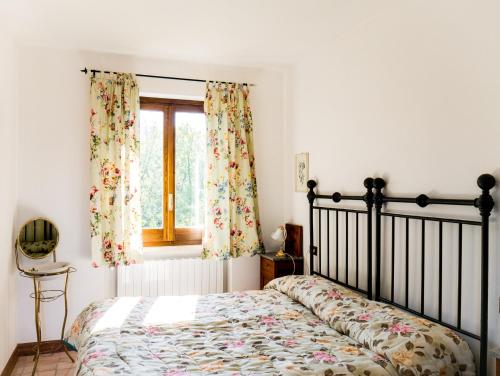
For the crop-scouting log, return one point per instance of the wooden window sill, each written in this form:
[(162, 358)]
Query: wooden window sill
[(166, 243), (183, 236)]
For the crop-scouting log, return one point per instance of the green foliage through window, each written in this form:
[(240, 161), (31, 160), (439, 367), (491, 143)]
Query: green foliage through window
[(151, 123), (190, 160)]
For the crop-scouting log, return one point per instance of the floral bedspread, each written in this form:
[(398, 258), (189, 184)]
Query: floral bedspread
[(298, 325)]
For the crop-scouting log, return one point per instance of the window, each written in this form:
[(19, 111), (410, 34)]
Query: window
[(173, 154)]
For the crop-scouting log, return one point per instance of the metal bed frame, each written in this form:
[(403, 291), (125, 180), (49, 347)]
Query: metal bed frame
[(374, 199)]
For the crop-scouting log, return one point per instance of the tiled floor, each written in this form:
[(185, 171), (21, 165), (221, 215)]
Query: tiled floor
[(56, 364)]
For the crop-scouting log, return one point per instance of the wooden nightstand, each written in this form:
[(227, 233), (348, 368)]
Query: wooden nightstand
[(273, 267), (495, 353)]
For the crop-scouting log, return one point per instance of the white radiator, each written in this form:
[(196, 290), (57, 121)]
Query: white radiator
[(185, 276)]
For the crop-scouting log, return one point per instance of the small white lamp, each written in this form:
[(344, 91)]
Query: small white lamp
[(280, 235)]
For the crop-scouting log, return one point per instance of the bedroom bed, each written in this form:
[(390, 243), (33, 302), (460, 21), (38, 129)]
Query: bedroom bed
[(297, 325)]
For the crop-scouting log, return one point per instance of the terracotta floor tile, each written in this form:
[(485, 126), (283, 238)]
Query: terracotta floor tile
[(25, 359), (46, 373), (56, 364), (65, 365), (46, 364), (63, 354), (64, 357), (48, 355), (65, 372), (17, 371)]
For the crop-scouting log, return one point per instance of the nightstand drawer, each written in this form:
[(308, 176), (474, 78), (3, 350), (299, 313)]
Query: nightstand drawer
[(284, 268), (266, 267), (264, 281), (266, 271), (273, 267)]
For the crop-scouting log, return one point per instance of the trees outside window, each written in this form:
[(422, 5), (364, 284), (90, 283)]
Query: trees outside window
[(173, 152)]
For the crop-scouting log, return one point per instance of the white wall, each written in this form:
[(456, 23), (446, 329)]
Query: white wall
[(411, 95), (54, 167), (8, 196)]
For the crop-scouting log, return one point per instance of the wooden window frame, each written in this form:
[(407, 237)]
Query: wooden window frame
[(170, 235)]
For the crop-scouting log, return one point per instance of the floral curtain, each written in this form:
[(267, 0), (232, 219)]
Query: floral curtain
[(232, 227), (115, 210)]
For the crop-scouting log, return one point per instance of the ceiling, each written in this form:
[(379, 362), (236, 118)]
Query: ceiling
[(250, 33)]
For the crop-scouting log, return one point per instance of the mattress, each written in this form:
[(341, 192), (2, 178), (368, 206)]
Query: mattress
[(297, 325)]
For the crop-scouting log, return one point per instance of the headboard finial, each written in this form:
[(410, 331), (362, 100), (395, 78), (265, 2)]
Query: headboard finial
[(368, 197), (368, 183), (379, 183), (485, 202), (311, 196), (486, 182), (311, 184)]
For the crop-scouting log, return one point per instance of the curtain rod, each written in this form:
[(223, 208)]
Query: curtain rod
[(93, 71)]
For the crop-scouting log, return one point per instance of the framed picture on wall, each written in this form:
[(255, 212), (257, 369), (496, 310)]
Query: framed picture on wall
[(301, 172)]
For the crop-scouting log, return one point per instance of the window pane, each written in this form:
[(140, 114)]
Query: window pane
[(190, 156), (152, 169)]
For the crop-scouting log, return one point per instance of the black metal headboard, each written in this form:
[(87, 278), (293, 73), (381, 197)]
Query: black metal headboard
[(374, 200)]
